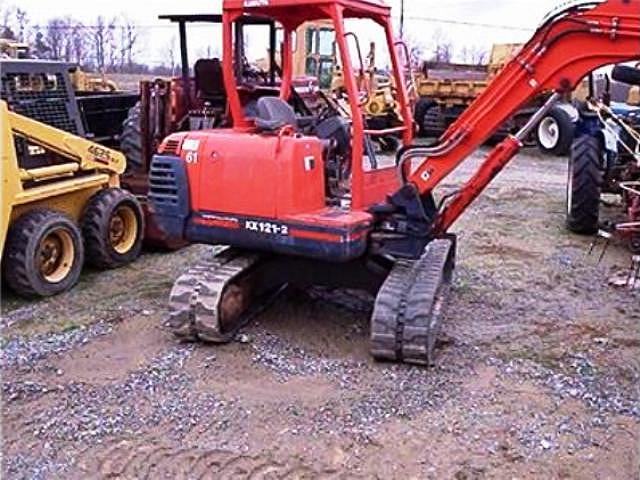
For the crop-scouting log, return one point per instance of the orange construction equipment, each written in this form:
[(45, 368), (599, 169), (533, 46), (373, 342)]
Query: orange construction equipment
[(302, 200)]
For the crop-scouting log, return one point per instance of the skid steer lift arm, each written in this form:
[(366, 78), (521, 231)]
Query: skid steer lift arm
[(84, 154), (568, 45)]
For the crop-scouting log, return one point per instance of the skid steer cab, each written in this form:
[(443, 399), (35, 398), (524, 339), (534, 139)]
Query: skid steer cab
[(282, 180)]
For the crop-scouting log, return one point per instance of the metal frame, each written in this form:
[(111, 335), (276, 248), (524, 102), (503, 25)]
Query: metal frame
[(285, 13), (31, 67), (215, 19)]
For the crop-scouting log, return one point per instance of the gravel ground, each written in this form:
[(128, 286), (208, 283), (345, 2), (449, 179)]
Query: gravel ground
[(538, 372)]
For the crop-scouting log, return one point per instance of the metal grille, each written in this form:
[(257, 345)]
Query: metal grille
[(42, 92), (171, 147), (163, 184)]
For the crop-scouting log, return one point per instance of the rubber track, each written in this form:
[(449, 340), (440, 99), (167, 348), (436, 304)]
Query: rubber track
[(408, 310), (195, 296)]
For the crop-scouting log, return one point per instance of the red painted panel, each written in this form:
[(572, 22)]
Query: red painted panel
[(300, 176), (378, 184), (333, 218), (264, 176), (237, 174)]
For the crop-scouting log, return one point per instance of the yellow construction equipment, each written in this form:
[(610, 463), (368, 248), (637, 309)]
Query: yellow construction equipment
[(315, 53), (459, 85), (13, 49), (61, 203), (85, 82)]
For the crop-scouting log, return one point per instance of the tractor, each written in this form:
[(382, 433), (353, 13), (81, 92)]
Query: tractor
[(605, 158), (299, 200)]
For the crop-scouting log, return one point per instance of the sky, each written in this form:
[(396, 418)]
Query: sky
[(517, 20)]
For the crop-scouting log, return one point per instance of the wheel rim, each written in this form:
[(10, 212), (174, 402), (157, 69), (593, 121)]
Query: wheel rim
[(549, 133), (55, 255), (123, 229)]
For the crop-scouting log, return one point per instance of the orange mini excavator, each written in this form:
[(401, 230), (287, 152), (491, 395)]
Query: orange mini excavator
[(305, 200)]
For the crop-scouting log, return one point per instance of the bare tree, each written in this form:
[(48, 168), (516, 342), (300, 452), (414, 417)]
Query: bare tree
[(102, 39), (55, 38), (128, 41), (416, 50), (77, 42), (5, 14), (6, 29), (40, 48), (22, 22), (443, 48), (474, 55), (171, 54)]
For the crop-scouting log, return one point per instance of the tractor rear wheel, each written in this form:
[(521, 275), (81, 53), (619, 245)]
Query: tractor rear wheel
[(113, 227), (131, 139), (43, 254), (584, 185)]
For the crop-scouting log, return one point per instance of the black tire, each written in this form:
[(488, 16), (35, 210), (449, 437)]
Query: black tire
[(26, 270), (423, 105), (559, 121), (584, 185), (626, 74), (113, 228), (131, 139), (434, 123)]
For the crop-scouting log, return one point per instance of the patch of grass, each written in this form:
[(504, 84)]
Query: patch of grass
[(462, 287), (543, 356), (69, 326)]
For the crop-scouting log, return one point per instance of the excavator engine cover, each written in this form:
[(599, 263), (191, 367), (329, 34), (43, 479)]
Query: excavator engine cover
[(258, 191)]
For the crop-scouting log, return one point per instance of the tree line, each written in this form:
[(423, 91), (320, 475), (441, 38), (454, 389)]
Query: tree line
[(108, 44)]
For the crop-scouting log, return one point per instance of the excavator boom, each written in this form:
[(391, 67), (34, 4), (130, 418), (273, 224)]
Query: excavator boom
[(570, 44)]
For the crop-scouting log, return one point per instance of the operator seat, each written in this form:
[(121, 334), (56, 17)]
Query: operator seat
[(274, 113), (209, 80)]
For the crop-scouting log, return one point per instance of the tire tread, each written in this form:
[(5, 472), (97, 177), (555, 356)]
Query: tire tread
[(585, 168)]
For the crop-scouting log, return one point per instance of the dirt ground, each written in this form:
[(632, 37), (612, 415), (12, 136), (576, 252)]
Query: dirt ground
[(538, 371)]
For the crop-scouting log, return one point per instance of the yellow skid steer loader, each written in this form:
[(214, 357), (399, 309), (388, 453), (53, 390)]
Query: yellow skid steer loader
[(61, 204)]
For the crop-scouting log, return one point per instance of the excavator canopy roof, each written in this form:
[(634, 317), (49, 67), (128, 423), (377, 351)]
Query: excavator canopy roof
[(295, 12)]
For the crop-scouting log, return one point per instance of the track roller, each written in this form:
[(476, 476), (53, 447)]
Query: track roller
[(409, 307)]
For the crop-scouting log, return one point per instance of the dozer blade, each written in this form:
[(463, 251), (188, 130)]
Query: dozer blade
[(409, 307), (213, 300)]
